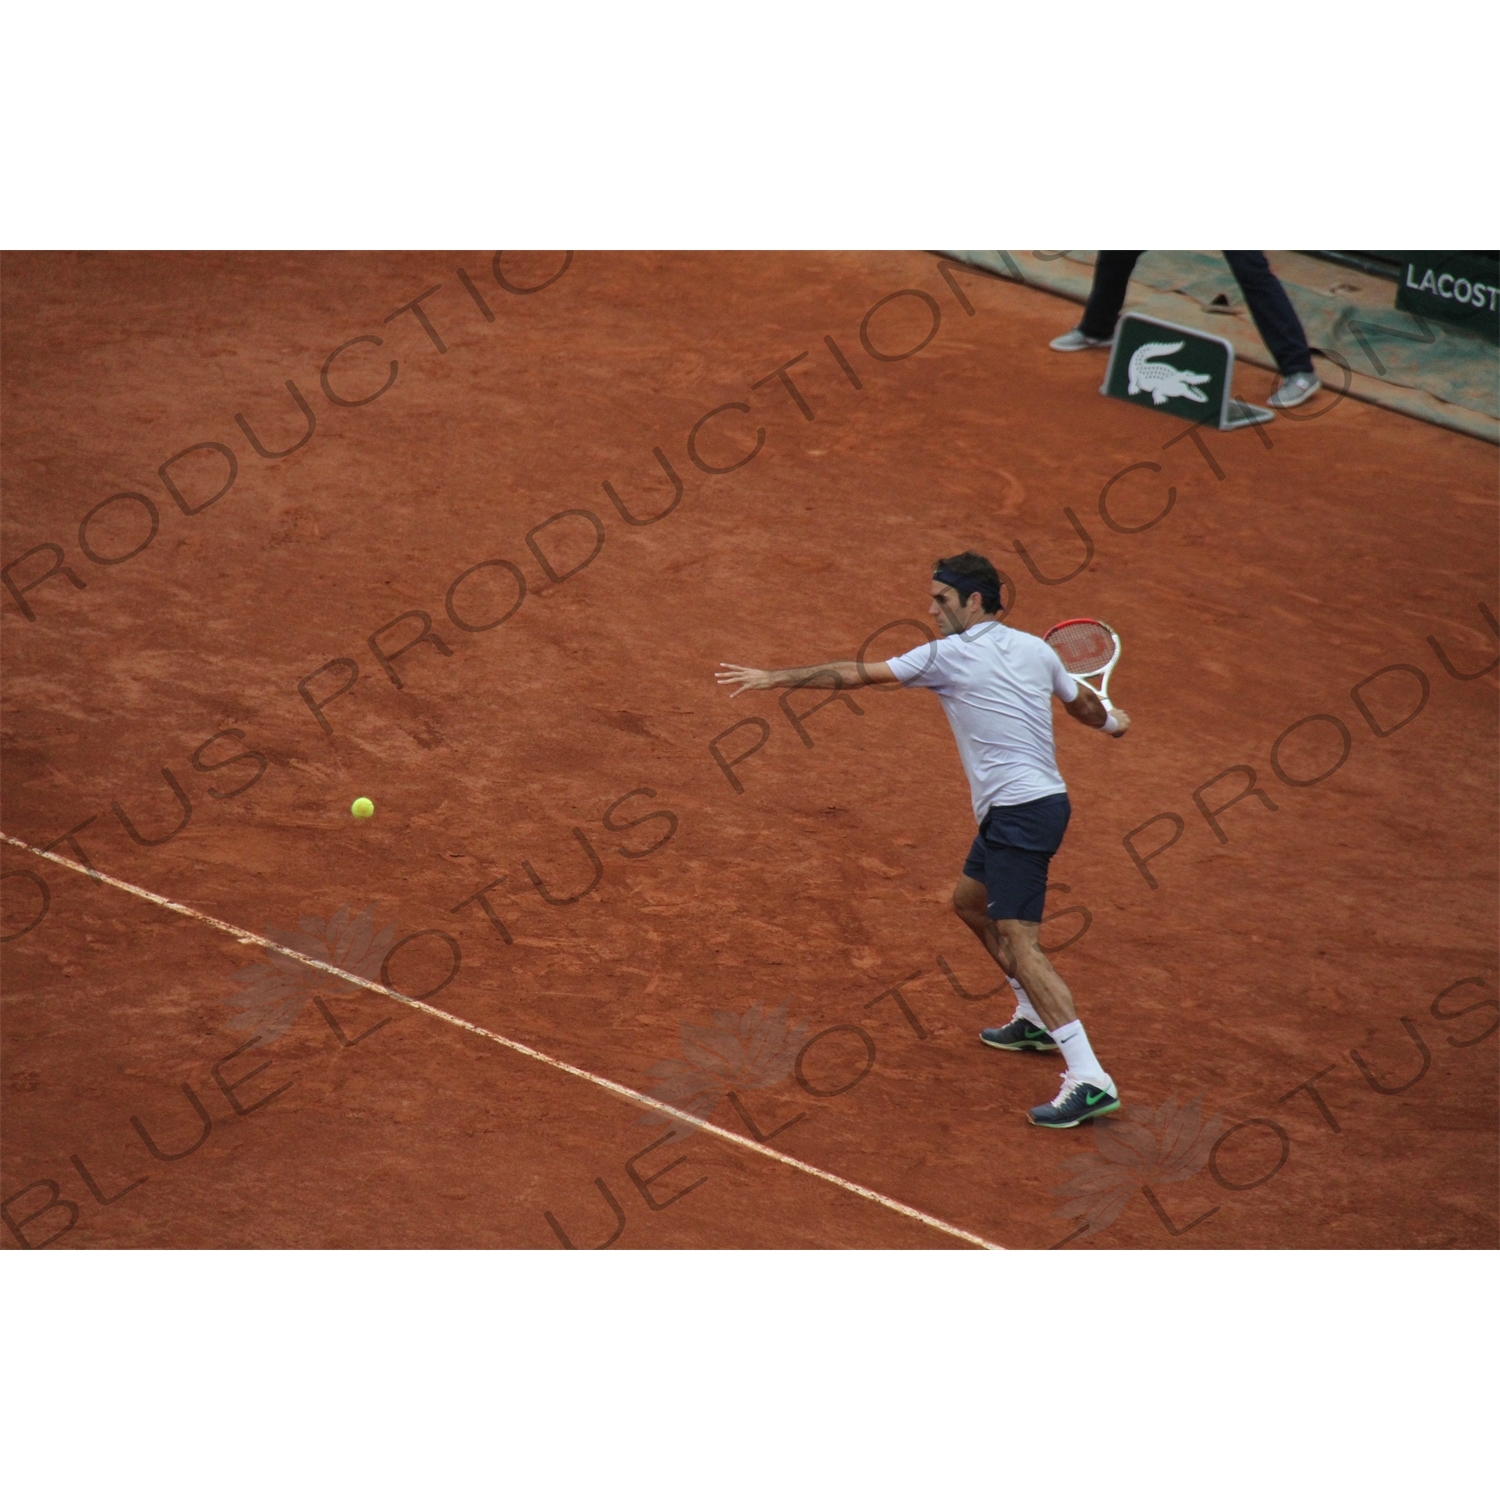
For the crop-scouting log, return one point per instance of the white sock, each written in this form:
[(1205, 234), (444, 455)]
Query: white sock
[(1079, 1056), (1024, 1007)]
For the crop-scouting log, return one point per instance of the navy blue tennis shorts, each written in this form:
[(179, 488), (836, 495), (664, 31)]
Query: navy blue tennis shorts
[(1011, 852)]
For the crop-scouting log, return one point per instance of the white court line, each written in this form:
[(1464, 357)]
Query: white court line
[(618, 1089)]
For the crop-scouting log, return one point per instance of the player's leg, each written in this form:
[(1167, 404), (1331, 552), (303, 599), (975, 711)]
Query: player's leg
[(971, 906), (1019, 845), (1024, 1031), (1087, 1090), (1049, 992)]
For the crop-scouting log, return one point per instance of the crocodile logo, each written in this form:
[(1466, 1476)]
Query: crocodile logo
[(1160, 380)]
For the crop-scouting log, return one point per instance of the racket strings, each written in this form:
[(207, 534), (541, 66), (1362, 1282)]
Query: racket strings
[(1084, 646)]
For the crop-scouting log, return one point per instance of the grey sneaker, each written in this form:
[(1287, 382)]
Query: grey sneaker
[(1296, 389), (1075, 339), (1078, 1101), (1018, 1035)]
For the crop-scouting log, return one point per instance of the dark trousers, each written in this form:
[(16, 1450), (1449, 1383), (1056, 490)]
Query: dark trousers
[(1269, 305)]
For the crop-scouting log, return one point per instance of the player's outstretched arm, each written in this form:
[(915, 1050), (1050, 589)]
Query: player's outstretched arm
[(1087, 709), (832, 674)]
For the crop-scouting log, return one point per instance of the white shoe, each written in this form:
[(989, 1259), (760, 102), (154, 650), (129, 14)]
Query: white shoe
[(1075, 339), (1296, 389)]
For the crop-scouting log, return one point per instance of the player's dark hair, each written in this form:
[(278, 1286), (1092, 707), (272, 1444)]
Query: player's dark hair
[(980, 573)]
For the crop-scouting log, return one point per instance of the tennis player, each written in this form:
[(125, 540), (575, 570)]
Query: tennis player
[(996, 685)]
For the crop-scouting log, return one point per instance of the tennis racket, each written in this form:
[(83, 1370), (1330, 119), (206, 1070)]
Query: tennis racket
[(1087, 648)]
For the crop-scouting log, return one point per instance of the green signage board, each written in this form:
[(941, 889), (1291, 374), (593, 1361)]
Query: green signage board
[(1178, 371), (1455, 286)]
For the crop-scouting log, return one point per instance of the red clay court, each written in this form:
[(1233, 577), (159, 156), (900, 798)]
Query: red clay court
[(468, 535)]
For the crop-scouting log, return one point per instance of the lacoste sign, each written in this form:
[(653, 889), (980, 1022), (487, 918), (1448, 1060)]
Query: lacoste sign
[(1178, 371), (1457, 286), (1148, 373)]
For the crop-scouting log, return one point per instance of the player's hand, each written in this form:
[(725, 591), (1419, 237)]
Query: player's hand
[(1123, 720), (744, 679)]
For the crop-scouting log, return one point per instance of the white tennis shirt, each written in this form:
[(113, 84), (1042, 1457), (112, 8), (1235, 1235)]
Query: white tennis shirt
[(996, 686)]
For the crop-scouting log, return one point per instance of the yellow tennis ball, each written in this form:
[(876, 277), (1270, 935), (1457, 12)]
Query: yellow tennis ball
[(363, 808)]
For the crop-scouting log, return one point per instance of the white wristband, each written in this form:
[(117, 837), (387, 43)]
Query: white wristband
[(1110, 724)]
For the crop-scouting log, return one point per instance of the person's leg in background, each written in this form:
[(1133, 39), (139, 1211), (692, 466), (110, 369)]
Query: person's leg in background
[(1278, 324), (1112, 270)]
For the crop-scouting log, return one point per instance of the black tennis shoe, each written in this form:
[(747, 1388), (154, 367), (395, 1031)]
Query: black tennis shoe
[(1077, 1102), (1019, 1035)]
